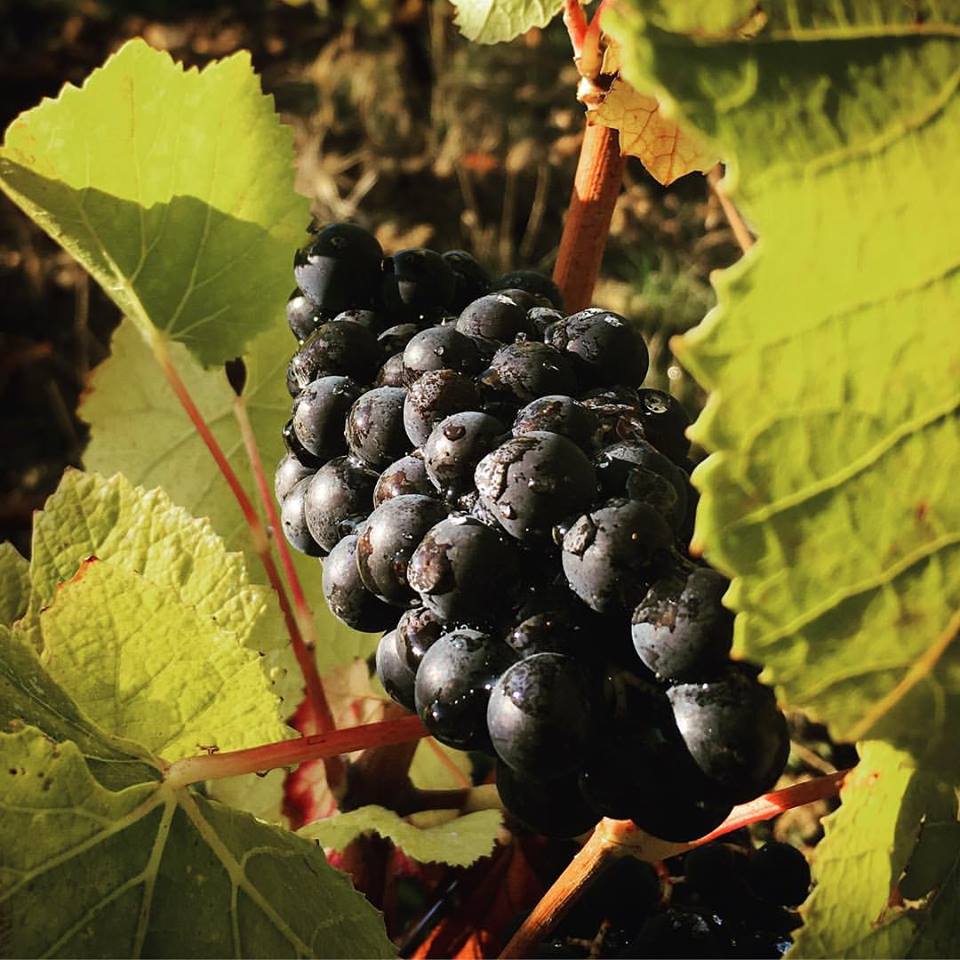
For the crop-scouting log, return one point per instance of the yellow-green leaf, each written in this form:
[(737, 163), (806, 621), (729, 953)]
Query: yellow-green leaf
[(458, 841), (493, 21), (173, 187), (14, 584)]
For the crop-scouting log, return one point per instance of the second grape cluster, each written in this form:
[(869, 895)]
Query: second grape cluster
[(487, 480)]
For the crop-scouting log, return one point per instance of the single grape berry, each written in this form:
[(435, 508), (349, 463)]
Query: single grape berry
[(551, 631), (716, 872), (394, 339), (391, 373), (339, 267), (374, 427), (296, 449), (533, 282), (611, 555), (664, 423), (392, 671), (680, 628), (289, 471), (436, 395), (540, 714), (495, 316), (470, 279), (463, 570), (542, 317), (406, 475), (455, 447), (618, 462), (779, 873), (733, 731), (338, 348), (439, 348), (603, 347), (337, 500), (453, 686), (303, 317), (563, 415), (293, 521), (348, 599), (373, 320), (387, 541), (417, 282), (319, 413), (417, 631), (533, 481), (521, 372), (554, 808), (617, 410)]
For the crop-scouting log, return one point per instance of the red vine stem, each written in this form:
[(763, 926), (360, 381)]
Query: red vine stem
[(614, 838), (596, 186), (302, 628), (258, 532), (287, 753)]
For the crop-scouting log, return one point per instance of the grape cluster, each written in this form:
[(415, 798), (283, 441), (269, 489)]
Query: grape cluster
[(722, 900), (490, 484)]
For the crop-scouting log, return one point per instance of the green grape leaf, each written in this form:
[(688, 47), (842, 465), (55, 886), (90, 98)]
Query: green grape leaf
[(149, 871), (14, 584), (143, 532), (173, 187), (146, 666), (138, 426), (934, 857), (438, 767), (867, 844), (493, 21), (832, 357), (458, 842)]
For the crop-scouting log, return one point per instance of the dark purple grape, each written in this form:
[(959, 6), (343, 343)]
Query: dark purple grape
[(464, 571), (521, 372), (439, 348), (338, 348), (372, 320), (524, 298), (296, 449), (540, 715), (293, 522), (394, 339), (612, 555), (319, 414), (550, 631), (533, 481), (289, 471), (541, 318), (494, 317), (680, 628), (533, 282), (454, 681), (391, 373), (339, 268), (779, 873), (734, 732), (716, 873), (455, 447), (554, 808), (664, 423), (603, 347), (617, 409), (471, 281), (348, 599), (392, 671), (374, 427), (417, 631), (417, 282), (337, 500), (563, 415), (387, 541), (434, 397), (406, 475), (303, 317)]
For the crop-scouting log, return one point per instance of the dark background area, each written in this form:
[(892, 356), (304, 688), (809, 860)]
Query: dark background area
[(399, 123)]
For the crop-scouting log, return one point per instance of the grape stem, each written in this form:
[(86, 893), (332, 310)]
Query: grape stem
[(617, 838), (258, 533), (596, 186), (299, 621), (287, 753)]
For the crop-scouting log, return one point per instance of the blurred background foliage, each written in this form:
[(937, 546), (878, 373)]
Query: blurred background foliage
[(399, 123)]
